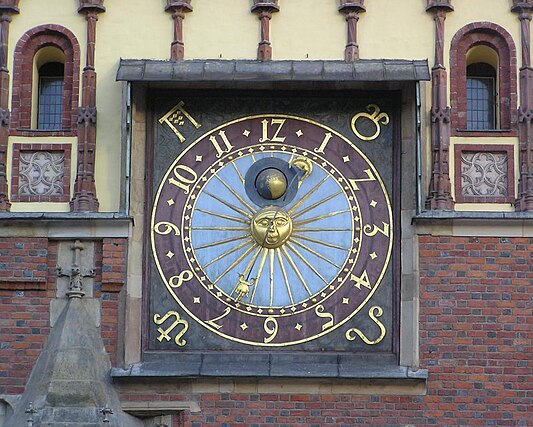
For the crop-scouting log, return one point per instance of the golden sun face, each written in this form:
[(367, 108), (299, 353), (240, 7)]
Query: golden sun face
[(271, 227)]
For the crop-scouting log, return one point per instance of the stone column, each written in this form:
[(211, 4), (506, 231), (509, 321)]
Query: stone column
[(524, 202), (265, 8), (178, 9), (352, 9), (84, 199), (439, 197), (7, 9)]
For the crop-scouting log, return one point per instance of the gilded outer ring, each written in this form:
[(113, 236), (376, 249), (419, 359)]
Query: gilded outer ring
[(336, 325)]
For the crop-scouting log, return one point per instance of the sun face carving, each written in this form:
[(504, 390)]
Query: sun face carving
[(271, 227)]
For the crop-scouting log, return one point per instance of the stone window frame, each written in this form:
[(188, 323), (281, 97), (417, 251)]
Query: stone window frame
[(497, 38), (508, 149), (26, 49), (21, 147)]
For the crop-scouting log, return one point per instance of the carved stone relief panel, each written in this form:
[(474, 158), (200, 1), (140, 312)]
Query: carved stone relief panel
[(484, 174), (40, 173)]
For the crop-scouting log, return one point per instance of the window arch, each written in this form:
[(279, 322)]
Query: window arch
[(47, 61), (483, 80)]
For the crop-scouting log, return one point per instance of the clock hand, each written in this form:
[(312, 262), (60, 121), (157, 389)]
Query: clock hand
[(304, 167)]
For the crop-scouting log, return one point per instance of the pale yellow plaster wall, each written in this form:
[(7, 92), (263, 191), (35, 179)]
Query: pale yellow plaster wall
[(395, 29), (303, 29), (225, 29), (133, 30), (39, 12), (308, 29)]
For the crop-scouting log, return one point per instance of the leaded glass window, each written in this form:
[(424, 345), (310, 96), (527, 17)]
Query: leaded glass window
[(50, 104), (480, 97)]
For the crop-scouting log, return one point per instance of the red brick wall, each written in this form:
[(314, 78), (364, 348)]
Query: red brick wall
[(27, 270), (476, 340), (27, 284), (111, 261)]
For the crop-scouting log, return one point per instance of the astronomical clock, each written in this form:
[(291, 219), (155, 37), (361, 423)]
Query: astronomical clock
[(272, 223)]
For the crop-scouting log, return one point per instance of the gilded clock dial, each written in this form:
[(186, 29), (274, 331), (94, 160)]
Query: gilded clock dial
[(271, 230)]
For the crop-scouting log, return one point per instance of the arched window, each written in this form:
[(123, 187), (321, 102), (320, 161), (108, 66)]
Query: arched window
[(483, 80), (46, 82), (50, 96)]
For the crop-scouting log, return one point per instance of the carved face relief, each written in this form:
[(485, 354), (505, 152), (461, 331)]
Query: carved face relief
[(271, 227)]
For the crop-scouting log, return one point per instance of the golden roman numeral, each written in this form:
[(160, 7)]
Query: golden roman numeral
[(182, 181), (275, 138), (225, 141)]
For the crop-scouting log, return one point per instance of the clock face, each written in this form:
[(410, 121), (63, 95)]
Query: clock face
[(271, 230)]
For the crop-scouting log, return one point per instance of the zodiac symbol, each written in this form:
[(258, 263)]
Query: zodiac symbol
[(373, 313), (177, 281), (375, 116), (158, 320), (176, 117)]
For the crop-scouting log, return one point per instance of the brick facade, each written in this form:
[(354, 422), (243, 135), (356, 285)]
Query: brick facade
[(476, 333), (28, 284), (475, 339)]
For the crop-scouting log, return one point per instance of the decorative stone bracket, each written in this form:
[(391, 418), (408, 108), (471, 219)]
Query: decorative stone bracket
[(76, 274), (352, 9), (178, 8), (265, 9)]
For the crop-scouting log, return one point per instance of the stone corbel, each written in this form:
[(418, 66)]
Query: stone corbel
[(351, 9), (178, 9), (91, 5), (265, 9)]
